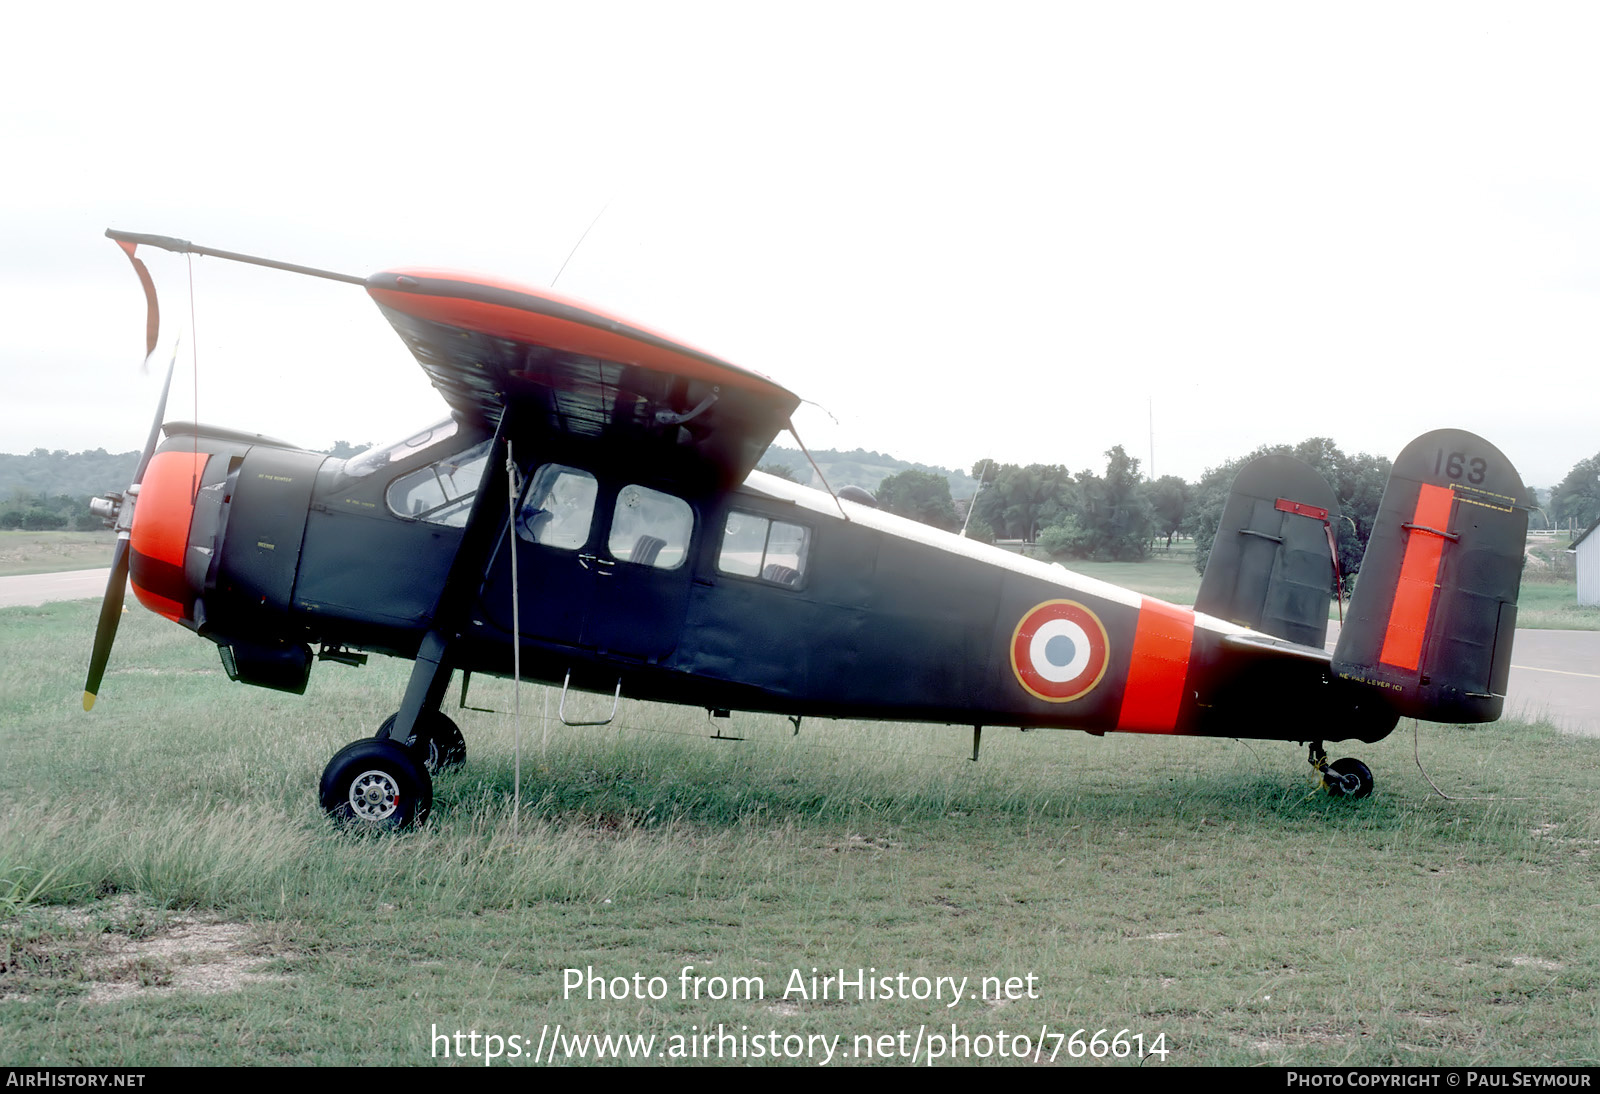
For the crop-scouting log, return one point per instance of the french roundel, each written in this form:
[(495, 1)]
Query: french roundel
[(1059, 651)]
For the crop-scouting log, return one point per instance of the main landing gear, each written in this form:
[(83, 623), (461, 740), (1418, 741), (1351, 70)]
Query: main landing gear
[(438, 742), (376, 782), (380, 782), (1346, 778)]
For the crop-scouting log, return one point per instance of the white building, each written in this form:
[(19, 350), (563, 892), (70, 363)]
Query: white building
[(1586, 549)]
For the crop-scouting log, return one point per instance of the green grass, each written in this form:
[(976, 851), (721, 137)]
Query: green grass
[(1553, 605), (50, 552), (1195, 889), (1167, 577)]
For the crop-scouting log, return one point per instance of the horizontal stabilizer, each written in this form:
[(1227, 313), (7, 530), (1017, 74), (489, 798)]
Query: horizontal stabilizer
[(1271, 564), (1435, 607)]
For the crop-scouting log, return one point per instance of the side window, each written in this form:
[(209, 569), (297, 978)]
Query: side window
[(442, 492), (650, 528), (770, 550), (557, 507)]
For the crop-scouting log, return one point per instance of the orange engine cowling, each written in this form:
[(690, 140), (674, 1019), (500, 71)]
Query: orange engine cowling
[(159, 538), (214, 546)]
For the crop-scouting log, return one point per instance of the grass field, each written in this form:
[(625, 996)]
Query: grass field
[(50, 552), (169, 893)]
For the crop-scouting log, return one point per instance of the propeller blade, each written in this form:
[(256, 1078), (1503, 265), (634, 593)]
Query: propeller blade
[(106, 631), (155, 426)]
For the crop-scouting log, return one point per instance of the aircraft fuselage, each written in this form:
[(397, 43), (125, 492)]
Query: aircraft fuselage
[(766, 597)]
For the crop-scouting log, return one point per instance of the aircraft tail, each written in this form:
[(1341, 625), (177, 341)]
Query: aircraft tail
[(1435, 606), (1272, 563)]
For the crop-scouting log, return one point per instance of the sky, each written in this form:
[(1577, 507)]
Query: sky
[(1019, 231)]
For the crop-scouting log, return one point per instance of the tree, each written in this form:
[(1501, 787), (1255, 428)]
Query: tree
[(920, 495), (1169, 501), (1112, 519), (1126, 520), (1017, 502), (779, 470), (343, 450), (1358, 482), (1575, 501)]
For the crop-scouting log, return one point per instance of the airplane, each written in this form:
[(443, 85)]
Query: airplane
[(588, 514)]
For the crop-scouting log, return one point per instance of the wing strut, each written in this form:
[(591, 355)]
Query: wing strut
[(430, 674), (820, 476)]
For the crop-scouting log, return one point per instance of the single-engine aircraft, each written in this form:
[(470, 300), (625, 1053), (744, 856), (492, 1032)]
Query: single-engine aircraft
[(588, 515)]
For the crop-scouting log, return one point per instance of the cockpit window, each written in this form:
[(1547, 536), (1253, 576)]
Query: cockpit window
[(649, 528), (442, 492), (375, 459), (558, 507), (770, 550)]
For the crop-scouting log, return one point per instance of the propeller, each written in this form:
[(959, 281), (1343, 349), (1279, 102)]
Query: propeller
[(105, 632)]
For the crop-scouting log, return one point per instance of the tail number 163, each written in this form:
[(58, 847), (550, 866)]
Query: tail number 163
[(1456, 466)]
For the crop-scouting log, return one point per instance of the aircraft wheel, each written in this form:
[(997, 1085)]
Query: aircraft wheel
[(376, 782), (441, 746), (1348, 778)]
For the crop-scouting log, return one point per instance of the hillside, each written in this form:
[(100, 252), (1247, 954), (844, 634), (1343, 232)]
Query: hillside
[(27, 481), (858, 467), (75, 474)]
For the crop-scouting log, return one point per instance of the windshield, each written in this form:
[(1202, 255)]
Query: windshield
[(376, 459)]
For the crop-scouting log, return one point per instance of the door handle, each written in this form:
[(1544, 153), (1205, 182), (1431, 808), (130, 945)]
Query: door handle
[(602, 566)]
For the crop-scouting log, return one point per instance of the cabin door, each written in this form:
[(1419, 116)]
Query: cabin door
[(602, 571), (642, 576), (555, 527)]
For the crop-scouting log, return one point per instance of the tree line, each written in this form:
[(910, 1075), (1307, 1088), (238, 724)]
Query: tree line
[(45, 491), (1118, 515), (1575, 501)]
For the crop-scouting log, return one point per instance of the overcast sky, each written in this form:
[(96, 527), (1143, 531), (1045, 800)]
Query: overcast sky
[(1007, 230)]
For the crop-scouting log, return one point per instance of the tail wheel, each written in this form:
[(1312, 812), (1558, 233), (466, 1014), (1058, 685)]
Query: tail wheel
[(438, 744), (375, 782), (1347, 778)]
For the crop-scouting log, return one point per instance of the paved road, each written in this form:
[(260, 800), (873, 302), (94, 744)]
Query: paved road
[(1554, 674), (30, 589)]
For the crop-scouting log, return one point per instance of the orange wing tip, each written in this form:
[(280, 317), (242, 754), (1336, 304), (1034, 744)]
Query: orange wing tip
[(88, 700)]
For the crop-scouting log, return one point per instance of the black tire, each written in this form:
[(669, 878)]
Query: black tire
[(376, 783), (1348, 778), (439, 746)]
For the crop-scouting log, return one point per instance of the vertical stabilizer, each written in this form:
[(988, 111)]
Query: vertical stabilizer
[(1271, 564), (1435, 607)]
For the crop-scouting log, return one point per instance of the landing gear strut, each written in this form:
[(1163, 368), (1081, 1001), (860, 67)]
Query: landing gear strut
[(438, 742), (1346, 778)]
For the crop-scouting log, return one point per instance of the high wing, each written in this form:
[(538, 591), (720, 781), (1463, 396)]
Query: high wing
[(564, 368)]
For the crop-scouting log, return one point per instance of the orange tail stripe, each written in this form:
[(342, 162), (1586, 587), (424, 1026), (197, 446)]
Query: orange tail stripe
[(1156, 671), (1419, 576)]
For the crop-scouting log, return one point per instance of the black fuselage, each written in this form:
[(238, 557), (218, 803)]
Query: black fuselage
[(767, 596)]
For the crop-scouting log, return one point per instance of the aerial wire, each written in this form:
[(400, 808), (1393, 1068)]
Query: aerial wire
[(194, 373), (1416, 754), (516, 637), (824, 479), (578, 244), (973, 504)]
